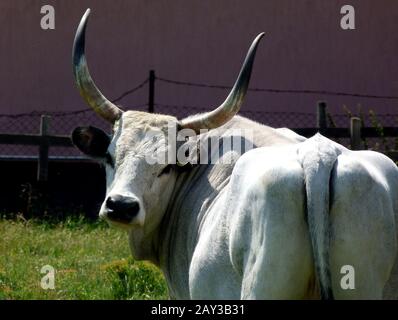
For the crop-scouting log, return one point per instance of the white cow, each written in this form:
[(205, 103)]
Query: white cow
[(282, 198), (278, 222)]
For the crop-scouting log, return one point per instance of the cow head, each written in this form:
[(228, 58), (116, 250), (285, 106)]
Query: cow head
[(138, 191)]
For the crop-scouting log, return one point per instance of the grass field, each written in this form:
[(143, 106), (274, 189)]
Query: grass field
[(91, 261)]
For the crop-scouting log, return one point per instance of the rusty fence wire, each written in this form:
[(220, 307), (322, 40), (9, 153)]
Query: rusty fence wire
[(62, 123)]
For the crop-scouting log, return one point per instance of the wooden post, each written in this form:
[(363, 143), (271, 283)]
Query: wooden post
[(321, 121), (151, 99), (355, 133), (42, 168)]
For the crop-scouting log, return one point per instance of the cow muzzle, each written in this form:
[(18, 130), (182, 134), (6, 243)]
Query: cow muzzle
[(121, 209)]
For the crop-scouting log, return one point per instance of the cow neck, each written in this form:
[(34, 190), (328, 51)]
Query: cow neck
[(193, 195)]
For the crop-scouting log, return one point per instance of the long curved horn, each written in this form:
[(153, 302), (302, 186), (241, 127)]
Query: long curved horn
[(232, 104), (88, 90)]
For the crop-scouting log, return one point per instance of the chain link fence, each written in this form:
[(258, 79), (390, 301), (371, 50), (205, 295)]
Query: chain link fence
[(62, 123)]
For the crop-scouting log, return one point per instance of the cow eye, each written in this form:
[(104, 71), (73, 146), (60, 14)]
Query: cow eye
[(165, 170)]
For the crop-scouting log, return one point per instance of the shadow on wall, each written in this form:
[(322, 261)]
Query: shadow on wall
[(72, 189)]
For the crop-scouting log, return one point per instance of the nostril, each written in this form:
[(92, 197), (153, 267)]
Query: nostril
[(135, 207), (111, 203), (122, 208)]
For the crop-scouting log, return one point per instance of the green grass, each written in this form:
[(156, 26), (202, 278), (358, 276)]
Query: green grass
[(92, 261)]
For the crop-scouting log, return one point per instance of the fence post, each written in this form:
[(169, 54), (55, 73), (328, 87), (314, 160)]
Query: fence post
[(321, 121), (151, 99), (42, 168), (355, 133)]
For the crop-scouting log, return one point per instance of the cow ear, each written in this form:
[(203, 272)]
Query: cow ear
[(92, 141)]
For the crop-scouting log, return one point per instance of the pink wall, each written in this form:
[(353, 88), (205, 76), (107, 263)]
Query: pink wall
[(201, 41)]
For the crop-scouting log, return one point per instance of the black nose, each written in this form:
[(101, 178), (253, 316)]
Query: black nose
[(121, 208)]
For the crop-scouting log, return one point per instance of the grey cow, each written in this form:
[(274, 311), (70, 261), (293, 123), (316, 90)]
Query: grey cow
[(277, 221)]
